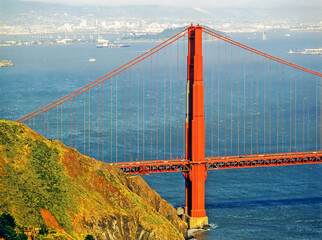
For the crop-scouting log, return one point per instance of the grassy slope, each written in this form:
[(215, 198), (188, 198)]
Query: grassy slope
[(43, 181)]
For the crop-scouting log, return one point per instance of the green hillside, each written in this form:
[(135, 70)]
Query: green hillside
[(44, 182)]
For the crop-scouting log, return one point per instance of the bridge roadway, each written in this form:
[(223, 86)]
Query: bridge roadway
[(222, 162)]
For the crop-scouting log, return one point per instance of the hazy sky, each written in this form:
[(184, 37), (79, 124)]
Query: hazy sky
[(196, 3)]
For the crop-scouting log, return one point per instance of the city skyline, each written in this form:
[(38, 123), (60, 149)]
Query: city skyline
[(41, 16), (192, 3)]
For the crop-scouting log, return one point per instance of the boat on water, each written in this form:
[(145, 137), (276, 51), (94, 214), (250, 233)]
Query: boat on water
[(307, 51), (92, 60), (111, 45)]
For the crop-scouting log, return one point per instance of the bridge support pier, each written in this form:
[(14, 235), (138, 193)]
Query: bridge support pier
[(195, 196), (195, 133), (197, 222)]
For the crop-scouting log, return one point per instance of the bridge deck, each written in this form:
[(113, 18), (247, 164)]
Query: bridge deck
[(214, 163)]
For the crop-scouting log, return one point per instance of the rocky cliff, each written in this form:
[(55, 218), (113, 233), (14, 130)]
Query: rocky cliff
[(44, 182)]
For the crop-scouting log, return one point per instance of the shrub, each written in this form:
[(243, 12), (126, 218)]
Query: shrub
[(7, 228), (43, 229), (6, 219), (89, 237)]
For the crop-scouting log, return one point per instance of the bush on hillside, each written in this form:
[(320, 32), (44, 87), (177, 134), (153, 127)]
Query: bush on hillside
[(8, 226)]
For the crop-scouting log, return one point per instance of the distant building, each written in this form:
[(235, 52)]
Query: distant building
[(83, 23)]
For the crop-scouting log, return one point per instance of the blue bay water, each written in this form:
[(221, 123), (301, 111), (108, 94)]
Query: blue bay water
[(260, 203)]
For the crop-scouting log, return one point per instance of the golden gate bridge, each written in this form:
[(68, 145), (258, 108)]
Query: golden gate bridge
[(196, 102)]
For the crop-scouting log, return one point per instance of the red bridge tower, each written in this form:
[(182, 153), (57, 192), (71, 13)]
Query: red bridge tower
[(195, 133)]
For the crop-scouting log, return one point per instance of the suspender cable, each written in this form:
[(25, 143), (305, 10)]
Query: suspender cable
[(116, 123), (138, 129), (303, 108), (244, 102), (143, 118), (61, 122), (170, 100), (164, 106), (43, 125), (111, 130), (290, 109), (320, 113), (184, 72), (264, 104), (251, 104), (47, 126), (231, 99), (277, 91), (56, 121), (98, 123), (270, 104), (71, 122), (308, 112), (238, 105), (124, 117), (283, 108), (295, 109), (151, 109), (316, 113), (103, 128), (257, 105), (225, 99), (84, 124), (177, 99), (157, 71), (89, 122), (212, 97), (33, 123), (218, 109), (75, 122), (130, 139)]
